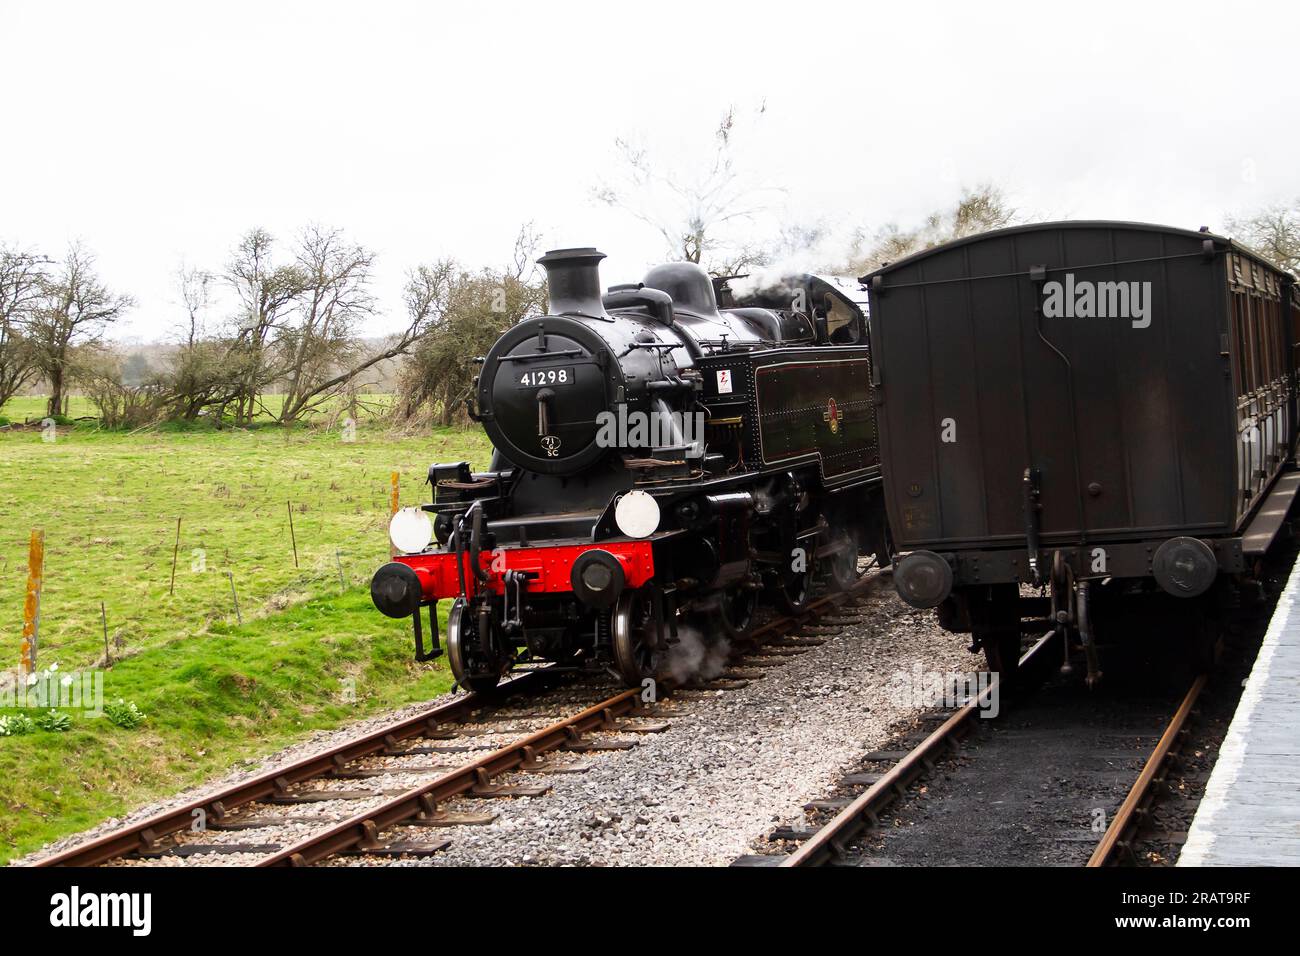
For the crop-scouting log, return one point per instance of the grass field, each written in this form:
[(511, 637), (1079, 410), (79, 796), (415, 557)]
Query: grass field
[(214, 690), (32, 408)]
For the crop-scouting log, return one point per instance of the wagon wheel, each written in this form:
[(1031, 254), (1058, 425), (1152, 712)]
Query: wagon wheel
[(996, 621), (1205, 650), (1002, 651), (634, 643), (462, 648), (735, 611)]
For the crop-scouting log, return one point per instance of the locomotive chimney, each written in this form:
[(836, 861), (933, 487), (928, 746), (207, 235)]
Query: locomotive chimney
[(573, 280)]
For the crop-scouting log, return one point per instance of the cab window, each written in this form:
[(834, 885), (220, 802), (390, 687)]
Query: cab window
[(842, 325)]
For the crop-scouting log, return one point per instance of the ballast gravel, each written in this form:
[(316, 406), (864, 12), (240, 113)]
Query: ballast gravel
[(732, 765)]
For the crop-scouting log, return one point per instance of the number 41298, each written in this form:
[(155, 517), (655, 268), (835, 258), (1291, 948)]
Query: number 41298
[(546, 376)]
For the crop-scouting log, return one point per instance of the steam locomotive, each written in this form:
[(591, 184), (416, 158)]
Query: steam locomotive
[(660, 464)]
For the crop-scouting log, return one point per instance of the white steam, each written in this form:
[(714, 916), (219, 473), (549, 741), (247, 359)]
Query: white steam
[(819, 251), (696, 657)]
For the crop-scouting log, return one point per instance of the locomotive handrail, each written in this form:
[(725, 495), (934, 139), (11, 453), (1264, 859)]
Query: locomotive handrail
[(460, 558), (476, 540), (537, 356)]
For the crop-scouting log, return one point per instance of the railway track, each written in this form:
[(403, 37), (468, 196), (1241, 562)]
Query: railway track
[(1118, 839), (1035, 785), (841, 839), (245, 823), (830, 842)]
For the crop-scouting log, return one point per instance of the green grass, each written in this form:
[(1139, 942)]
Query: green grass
[(31, 408), (215, 691)]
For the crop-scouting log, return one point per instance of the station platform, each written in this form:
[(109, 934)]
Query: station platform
[(1250, 815)]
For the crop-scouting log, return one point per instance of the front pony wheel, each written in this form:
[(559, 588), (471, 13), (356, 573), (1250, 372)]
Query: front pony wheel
[(634, 640), (463, 649)]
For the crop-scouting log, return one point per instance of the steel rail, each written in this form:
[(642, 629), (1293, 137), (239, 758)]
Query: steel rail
[(144, 834), (832, 838), (1124, 825), (364, 827), (813, 610)]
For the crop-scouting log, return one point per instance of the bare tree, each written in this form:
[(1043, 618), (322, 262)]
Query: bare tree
[(74, 308), (205, 371), (21, 275), (691, 212), (1273, 232), (334, 298), (472, 310), (195, 288), (124, 397), (323, 351), (978, 210), (428, 295), (796, 247), (267, 293)]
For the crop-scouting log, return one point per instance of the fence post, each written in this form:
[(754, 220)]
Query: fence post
[(392, 506), (292, 537), (171, 588), (234, 597), (32, 605)]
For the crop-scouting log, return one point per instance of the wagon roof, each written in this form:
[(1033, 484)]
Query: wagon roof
[(1219, 241)]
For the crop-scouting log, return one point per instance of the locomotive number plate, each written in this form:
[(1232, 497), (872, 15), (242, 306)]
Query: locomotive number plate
[(538, 377)]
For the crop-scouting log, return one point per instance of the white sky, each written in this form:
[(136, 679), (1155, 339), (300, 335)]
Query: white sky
[(158, 132)]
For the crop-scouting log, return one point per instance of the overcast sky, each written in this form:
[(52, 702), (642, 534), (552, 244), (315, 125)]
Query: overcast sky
[(159, 132)]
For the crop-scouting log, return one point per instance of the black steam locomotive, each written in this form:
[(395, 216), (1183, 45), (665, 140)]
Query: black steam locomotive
[(659, 464)]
